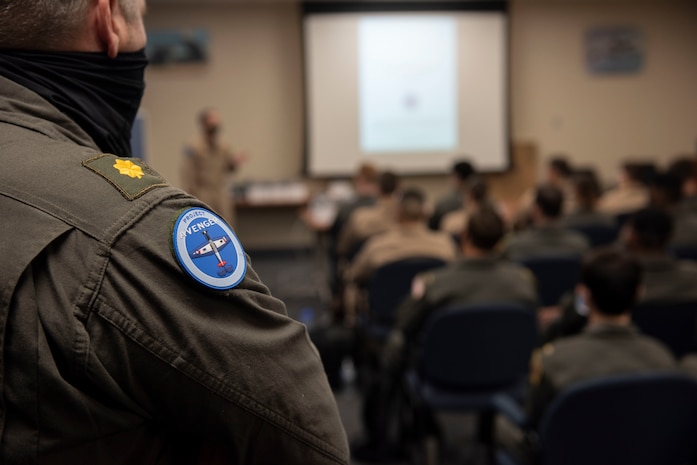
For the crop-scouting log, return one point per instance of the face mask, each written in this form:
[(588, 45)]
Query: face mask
[(100, 94)]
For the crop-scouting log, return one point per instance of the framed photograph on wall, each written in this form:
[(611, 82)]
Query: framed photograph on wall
[(615, 50), (168, 47)]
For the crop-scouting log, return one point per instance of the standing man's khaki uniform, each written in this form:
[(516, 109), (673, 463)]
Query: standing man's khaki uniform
[(205, 174), (112, 351)]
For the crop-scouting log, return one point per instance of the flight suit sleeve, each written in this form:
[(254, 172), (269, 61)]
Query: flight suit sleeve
[(227, 367), (542, 390)]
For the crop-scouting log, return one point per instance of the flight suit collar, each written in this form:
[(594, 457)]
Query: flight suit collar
[(478, 262), (657, 262), (607, 330)]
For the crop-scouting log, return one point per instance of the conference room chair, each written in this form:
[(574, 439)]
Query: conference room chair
[(598, 235), (684, 252), (555, 274), (470, 355), (388, 287), (673, 323), (622, 218), (642, 419)]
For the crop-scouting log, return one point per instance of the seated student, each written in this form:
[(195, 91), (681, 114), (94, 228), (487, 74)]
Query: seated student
[(408, 238), (609, 345), (559, 174), (480, 277), (477, 197), (370, 220), (587, 193), (646, 236), (460, 175), (546, 236), (666, 193), (630, 194), (685, 168)]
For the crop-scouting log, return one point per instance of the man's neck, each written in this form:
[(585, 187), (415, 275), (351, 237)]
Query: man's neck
[(470, 251), (597, 318)]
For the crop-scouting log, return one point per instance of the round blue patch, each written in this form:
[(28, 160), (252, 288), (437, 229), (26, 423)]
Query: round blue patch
[(207, 249)]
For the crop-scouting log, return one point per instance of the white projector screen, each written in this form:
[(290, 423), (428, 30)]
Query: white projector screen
[(409, 91)]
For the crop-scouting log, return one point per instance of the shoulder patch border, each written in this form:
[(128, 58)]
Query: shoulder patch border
[(226, 276)]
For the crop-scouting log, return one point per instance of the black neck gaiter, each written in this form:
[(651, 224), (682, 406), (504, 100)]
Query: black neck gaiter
[(100, 94)]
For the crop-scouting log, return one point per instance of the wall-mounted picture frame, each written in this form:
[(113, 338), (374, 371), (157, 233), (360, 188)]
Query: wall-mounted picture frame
[(615, 50), (168, 47)]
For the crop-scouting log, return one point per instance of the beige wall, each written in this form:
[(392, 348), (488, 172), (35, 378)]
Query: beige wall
[(255, 77), (601, 119)]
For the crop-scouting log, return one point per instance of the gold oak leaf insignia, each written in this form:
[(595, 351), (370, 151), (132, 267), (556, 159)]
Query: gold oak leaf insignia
[(128, 168)]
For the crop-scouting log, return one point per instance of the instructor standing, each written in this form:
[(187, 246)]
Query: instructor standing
[(133, 329), (208, 162)]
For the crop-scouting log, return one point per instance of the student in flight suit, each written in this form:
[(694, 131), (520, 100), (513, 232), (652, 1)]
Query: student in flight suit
[(134, 330)]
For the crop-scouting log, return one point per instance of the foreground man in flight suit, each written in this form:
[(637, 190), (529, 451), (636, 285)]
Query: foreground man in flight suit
[(132, 330)]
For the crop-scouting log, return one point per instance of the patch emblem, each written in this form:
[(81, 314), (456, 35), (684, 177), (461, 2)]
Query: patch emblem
[(207, 249)]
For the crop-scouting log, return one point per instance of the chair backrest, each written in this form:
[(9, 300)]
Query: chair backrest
[(684, 252), (391, 284), (598, 234), (556, 275), (673, 323), (478, 346), (648, 419)]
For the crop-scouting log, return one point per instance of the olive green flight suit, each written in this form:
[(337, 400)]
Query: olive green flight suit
[(110, 352)]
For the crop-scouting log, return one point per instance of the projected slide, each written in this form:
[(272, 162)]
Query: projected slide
[(408, 84)]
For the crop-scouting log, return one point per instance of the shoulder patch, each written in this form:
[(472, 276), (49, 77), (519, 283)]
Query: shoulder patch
[(207, 249), (130, 176)]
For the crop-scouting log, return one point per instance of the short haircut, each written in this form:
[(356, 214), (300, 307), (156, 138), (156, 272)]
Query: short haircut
[(587, 187), (640, 172), (613, 279), (389, 182), (485, 228), (549, 199), (652, 228), (669, 185), (203, 114), (47, 24), (479, 190), (561, 165), (463, 170), (368, 173), (684, 167), (411, 204)]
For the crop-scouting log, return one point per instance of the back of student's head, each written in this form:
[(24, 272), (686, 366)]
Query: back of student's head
[(587, 188), (612, 279), (549, 200), (640, 172), (411, 204), (463, 170), (684, 168), (561, 166), (666, 189), (389, 182), (650, 229), (479, 190), (485, 228)]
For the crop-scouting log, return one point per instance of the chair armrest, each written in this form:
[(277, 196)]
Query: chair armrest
[(508, 407)]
